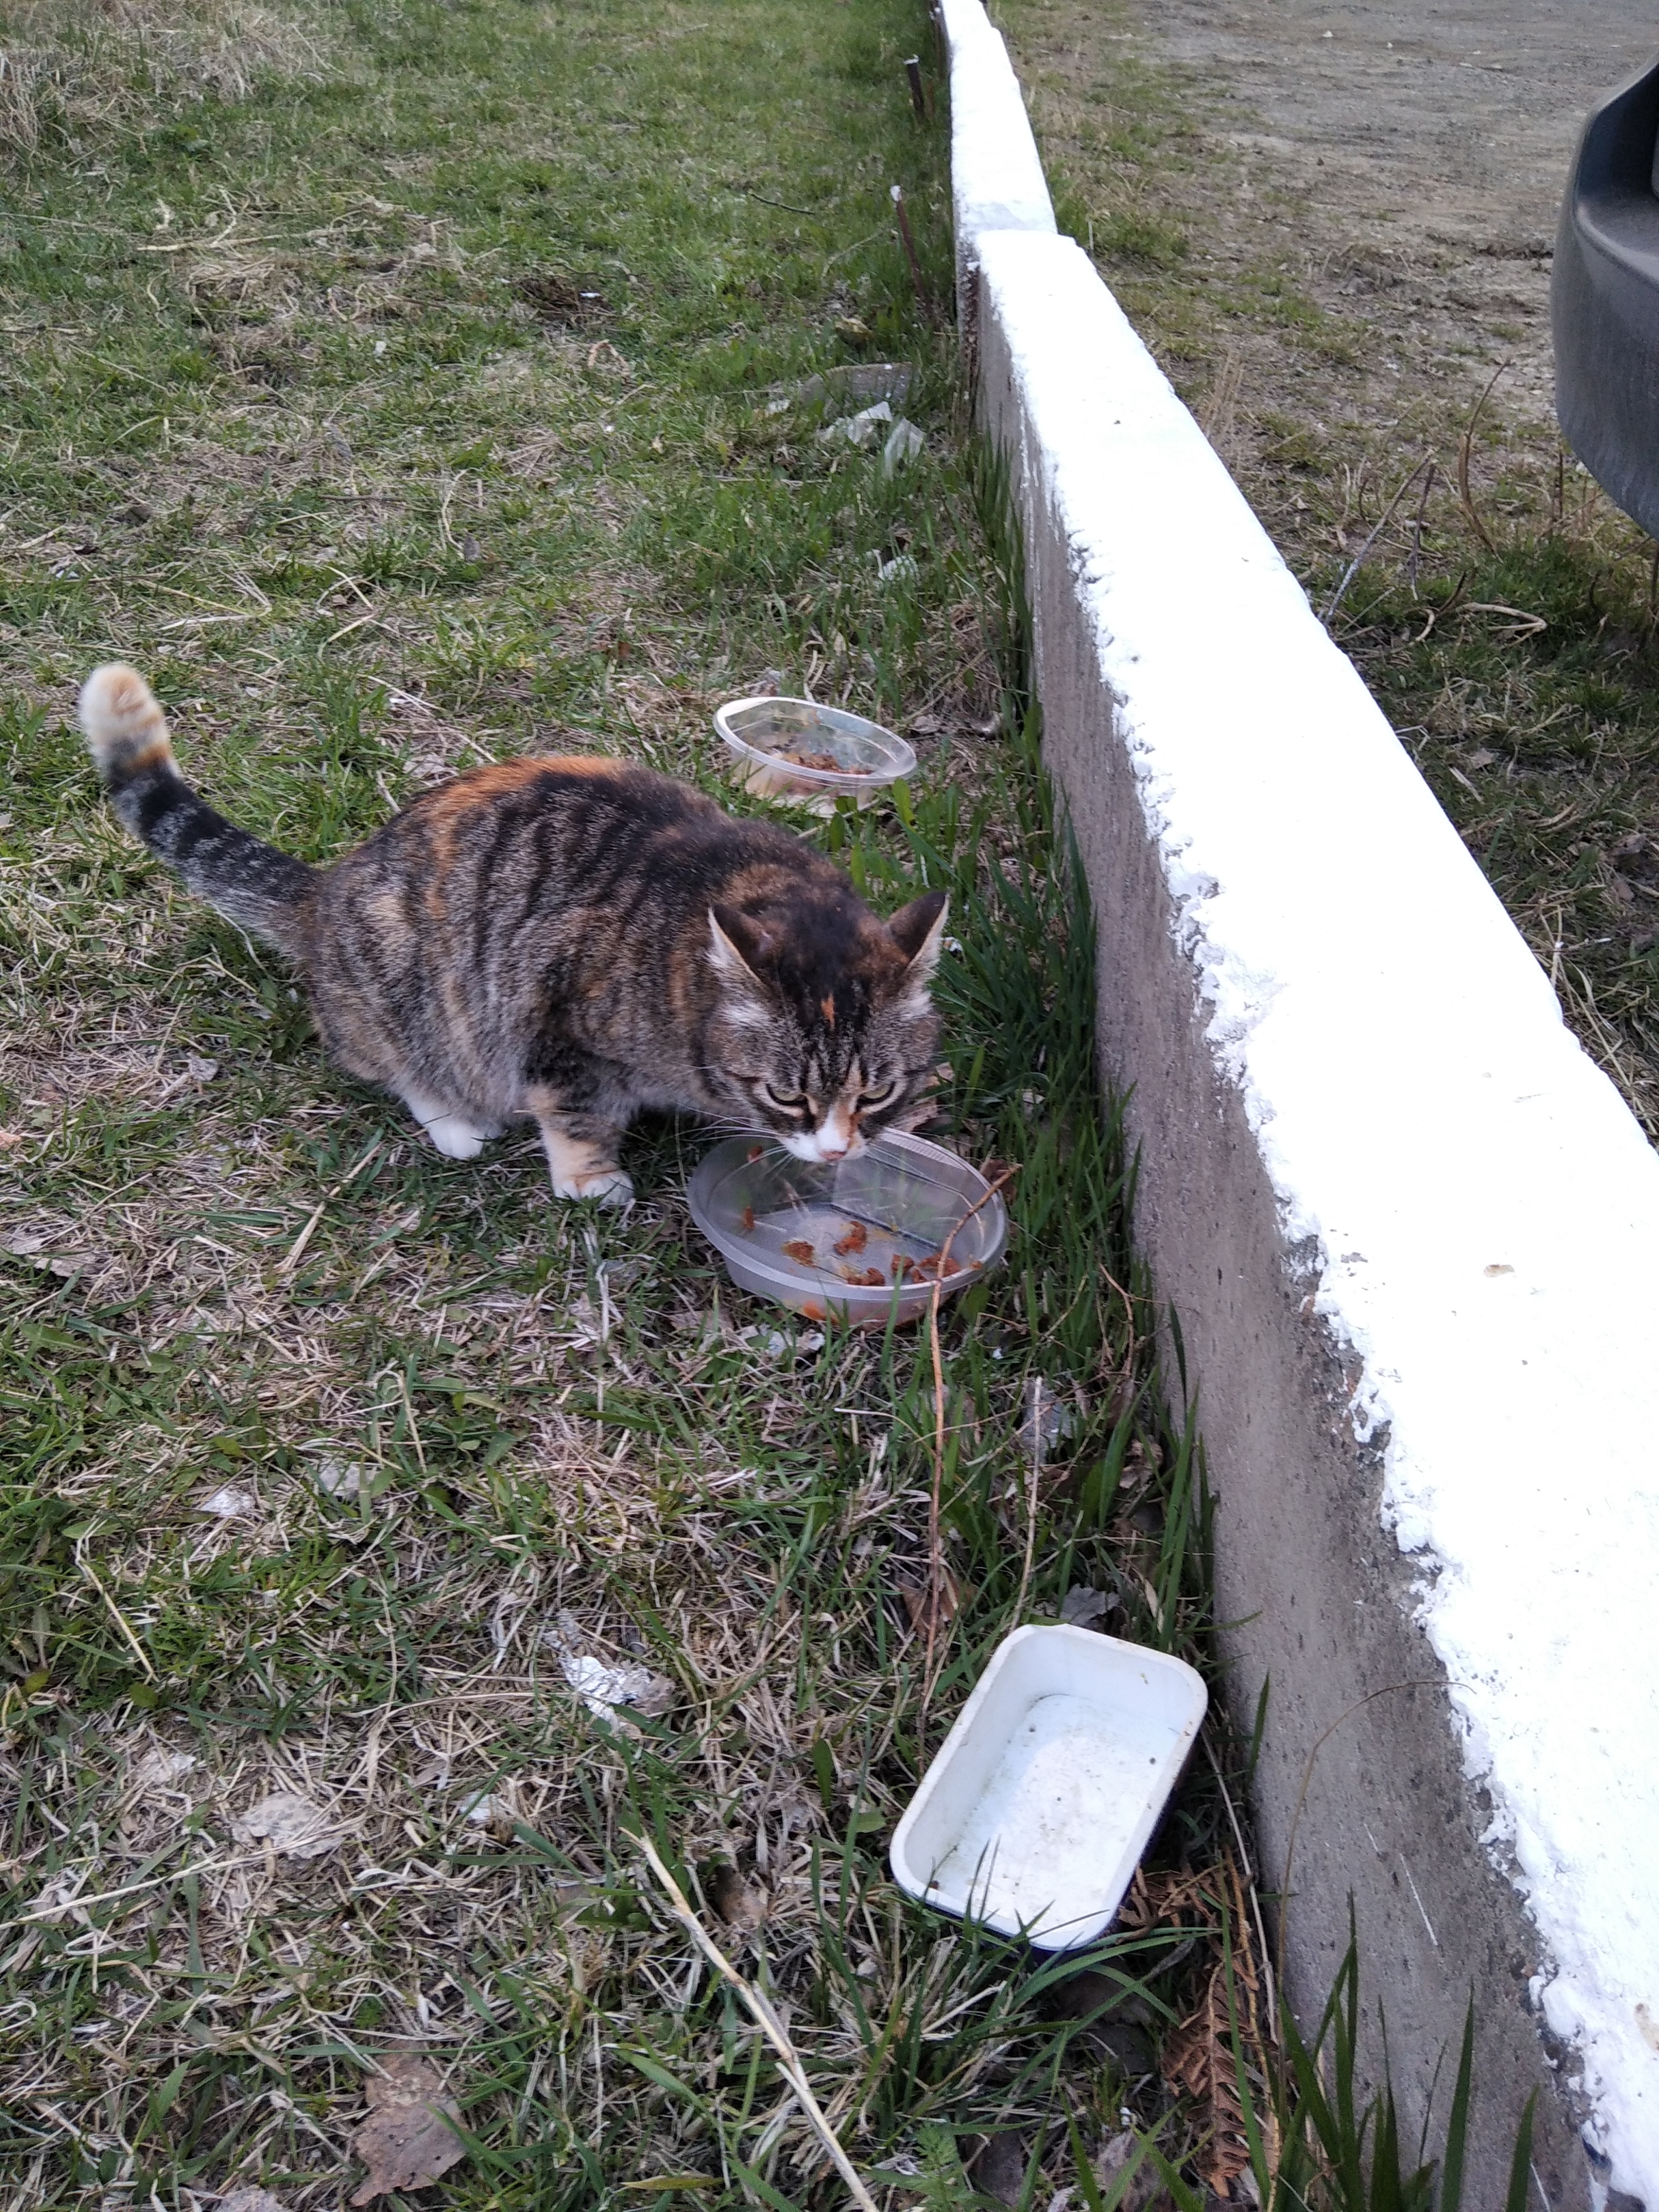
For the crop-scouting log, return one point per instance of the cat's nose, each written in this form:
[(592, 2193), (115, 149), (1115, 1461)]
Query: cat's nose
[(835, 1134)]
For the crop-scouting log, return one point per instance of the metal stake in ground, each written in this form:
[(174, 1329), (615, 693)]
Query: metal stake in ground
[(924, 298), (918, 91)]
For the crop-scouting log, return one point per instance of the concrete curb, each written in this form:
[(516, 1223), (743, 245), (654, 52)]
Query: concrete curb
[(996, 175), (1410, 1231)]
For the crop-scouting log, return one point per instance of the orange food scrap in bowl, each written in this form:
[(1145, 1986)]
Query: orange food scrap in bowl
[(800, 1251), (749, 1221), (867, 1278), (826, 763), (856, 1238)]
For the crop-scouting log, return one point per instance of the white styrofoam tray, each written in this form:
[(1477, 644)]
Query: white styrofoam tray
[(1035, 1812)]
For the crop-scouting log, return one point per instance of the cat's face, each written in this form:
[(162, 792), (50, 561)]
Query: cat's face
[(825, 1033)]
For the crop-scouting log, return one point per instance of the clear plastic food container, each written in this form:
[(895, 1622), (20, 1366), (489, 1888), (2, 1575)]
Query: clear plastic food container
[(810, 756), (858, 1238), (1034, 1814)]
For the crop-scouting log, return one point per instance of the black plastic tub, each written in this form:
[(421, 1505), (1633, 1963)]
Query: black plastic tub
[(1604, 301)]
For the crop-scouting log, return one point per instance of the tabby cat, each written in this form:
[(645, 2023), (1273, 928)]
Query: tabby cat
[(573, 939)]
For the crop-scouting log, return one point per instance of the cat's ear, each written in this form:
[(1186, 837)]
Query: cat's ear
[(737, 945), (918, 930)]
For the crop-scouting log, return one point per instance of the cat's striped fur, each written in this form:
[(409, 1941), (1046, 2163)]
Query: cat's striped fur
[(571, 939)]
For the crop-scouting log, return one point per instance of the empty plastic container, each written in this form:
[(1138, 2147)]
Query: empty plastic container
[(1034, 1814)]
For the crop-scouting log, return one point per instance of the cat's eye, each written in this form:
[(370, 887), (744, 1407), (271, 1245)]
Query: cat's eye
[(870, 1100), (786, 1102)]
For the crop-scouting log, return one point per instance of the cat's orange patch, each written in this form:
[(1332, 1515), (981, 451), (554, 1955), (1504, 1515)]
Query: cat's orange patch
[(827, 1008), (148, 756), (481, 785), (581, 763), (446, 808)]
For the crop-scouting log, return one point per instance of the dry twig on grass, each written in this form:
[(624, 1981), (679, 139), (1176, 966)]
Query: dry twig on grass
[(937, 1578), (765, 2016), (1463, 451)]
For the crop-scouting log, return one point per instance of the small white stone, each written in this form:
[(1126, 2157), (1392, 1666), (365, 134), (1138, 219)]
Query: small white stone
[(338, 1477), (289, 1823), (230, 1503)]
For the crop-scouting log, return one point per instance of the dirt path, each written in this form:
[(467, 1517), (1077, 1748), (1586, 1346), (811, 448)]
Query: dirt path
[(1439, 132), (1461, 118)]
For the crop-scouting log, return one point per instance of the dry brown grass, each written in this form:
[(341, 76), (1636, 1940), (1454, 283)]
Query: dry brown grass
[(79, 68)]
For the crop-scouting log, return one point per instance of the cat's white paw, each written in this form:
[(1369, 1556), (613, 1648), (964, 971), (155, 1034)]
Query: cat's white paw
[(585, 1166), (611, 1187), (456, 1138)]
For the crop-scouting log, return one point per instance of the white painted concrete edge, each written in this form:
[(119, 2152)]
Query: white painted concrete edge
[(996, 174), (1484, 1208)]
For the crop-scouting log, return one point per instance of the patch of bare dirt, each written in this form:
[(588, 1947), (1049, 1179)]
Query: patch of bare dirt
[(1403, 163)]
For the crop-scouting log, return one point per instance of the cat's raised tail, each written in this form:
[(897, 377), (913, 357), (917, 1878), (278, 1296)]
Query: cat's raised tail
[(254, 885)]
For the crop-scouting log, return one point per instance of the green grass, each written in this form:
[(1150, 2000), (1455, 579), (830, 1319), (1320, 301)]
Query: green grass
[(319, 1456), (1311, 2145)]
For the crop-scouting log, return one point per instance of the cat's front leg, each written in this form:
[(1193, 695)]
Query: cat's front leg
[(581, 1151), (584, 1165)]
